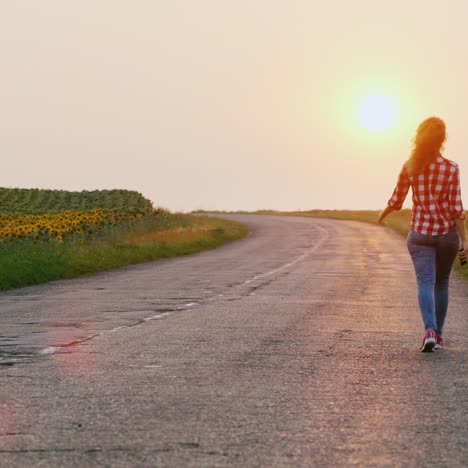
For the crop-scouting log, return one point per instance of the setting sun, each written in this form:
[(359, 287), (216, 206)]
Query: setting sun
[(377, 112)]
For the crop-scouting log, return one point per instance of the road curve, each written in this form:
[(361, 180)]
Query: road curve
[(297, 346)]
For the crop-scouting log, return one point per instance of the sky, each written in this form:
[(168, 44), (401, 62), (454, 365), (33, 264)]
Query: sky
[(227, 104)]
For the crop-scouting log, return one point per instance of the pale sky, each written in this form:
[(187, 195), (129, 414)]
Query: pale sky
[(227, 104)]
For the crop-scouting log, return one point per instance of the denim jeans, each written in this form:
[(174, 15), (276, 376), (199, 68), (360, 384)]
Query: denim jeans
[(433, 258)]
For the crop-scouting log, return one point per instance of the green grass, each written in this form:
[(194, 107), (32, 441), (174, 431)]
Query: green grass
[(152, 237)]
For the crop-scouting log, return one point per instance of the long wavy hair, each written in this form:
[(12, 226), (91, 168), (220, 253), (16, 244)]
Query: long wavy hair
[(428, 144)]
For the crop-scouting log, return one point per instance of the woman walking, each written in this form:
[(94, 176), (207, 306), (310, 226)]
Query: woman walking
[(437, 224)]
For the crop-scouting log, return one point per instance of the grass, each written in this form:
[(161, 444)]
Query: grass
[(152, 237)]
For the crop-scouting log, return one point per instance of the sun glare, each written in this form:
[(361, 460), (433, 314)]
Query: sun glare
[(377, 112)]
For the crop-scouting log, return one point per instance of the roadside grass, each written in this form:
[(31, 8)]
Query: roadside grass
[(25, 263), (399, 221)]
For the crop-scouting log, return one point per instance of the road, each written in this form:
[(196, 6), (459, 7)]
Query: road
[(297, 346)]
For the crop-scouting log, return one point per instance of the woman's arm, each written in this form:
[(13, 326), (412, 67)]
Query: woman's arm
[(460, 223), (456, 206), (398, 196)]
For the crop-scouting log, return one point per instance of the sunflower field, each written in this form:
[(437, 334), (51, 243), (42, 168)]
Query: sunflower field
[(58, 216), (38, 201)]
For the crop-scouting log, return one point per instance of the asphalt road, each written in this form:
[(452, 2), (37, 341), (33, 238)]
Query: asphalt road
[(297, 346)]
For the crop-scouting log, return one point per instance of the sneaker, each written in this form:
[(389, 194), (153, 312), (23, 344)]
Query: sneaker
[(439, 344), (429, 341)]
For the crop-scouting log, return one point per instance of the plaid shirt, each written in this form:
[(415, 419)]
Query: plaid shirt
[(436, 197)]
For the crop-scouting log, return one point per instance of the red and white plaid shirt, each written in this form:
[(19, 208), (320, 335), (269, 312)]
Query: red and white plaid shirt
[(436, 197)]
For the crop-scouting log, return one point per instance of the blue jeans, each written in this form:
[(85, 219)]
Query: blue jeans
[(433, 258)]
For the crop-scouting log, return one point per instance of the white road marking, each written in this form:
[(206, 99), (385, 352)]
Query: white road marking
[(49, 350), (54, 349), (289, 264), (155, 317)]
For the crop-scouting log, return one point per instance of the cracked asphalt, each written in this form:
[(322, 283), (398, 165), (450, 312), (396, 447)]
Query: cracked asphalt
[(297, 346)]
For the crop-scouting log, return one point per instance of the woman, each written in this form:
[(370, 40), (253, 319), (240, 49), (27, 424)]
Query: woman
[(437, 223)]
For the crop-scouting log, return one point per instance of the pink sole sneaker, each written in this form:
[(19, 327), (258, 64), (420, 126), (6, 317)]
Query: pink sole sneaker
[(439, 344), (429, 341)]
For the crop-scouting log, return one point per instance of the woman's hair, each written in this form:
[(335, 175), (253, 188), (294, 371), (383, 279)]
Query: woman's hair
[(428, 143)]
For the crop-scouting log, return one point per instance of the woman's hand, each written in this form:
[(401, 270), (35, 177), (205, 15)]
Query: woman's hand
[(383, 215)]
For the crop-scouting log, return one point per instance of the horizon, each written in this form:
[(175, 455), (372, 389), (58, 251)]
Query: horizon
[(229, 106)]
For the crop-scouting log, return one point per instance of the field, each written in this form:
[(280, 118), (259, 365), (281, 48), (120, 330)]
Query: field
[(37, 201), (49, 235)]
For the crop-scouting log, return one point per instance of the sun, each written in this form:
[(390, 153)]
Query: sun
[(377, 112)]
